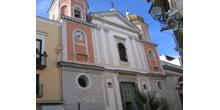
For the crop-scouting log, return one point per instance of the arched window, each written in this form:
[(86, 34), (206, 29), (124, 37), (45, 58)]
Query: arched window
[(122, 52), (64, 10), (80, 46), (151, 54), (77, 12)]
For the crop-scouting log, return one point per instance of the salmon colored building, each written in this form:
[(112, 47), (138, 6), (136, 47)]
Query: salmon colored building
[(104, 58)]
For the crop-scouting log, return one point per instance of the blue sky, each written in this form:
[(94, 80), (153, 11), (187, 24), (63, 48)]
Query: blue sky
[(165, 41)]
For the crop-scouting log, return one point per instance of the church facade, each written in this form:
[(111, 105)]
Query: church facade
[(105, 58)]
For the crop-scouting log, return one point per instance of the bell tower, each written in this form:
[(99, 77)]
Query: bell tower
[(73, 8), (140, 24)]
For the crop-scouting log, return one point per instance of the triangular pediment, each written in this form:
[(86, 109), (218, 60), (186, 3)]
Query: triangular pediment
[(116, 18)]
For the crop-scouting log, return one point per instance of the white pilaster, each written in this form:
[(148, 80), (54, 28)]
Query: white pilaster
[(108, 45), (117, 91), (138, 54), (106, 60), (100, 46), (95, 46), (130, 52), (143, 56), (64, 41), (113, 49), (111, 95), (134, 53)]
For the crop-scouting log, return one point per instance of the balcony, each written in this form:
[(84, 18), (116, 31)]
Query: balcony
[(41, 60), (39, 90)]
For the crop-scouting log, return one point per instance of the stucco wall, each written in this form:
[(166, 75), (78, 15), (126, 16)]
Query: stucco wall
[(50, 76)]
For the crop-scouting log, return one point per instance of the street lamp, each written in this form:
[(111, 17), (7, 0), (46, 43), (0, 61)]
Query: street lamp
[(155, 12)]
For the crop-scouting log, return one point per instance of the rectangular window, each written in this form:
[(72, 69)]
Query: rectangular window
[(37, 85), (38, 51), (38, 47)]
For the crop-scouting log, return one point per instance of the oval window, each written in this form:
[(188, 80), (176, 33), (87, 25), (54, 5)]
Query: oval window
[(83, 81), (159, 85)]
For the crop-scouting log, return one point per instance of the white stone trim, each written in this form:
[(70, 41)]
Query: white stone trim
[(108, 44), (105, 51), (113, 13), (117, 25), (117, 92), (117, 29), (100, 46), (137, 55), (95, 37), (64, 41), (140, 55), (143, 55)]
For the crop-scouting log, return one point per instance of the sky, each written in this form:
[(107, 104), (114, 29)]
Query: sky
[(165, 41)]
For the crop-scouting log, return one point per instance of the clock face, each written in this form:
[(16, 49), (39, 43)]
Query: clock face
[(78, 35)]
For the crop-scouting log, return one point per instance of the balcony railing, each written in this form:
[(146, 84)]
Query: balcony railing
[(41, 60), (39, 90)]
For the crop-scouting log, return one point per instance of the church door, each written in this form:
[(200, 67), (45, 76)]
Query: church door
[(128, 95)]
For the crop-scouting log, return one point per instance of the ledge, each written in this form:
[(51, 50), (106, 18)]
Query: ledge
[(148, 42), (77, 21), (156, 75), (50, 102), (80, 65), (167, 67)]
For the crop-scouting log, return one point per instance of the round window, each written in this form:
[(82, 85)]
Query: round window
[(159, 85), (83, 81)]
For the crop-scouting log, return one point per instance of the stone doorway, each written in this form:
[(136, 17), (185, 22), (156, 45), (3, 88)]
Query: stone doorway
[(128, 94)]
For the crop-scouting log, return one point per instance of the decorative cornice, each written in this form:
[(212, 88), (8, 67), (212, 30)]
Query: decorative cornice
[(77, 21), (126, 71), (50, 102), (106, 30), (41, 33), (130, 37), (121, 38), (109, 13), (120, 26), (167, 67), (81, 65), (148, 42), (38, 18), (101, 68), (156, 75)]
